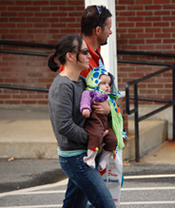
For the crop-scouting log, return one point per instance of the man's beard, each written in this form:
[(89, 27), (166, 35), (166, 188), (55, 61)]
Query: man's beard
[(104, 43)]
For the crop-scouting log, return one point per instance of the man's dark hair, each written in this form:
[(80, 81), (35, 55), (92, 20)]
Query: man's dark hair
[(92, 17)]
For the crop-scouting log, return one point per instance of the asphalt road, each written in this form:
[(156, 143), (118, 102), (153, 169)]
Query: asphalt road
[(146, 185)]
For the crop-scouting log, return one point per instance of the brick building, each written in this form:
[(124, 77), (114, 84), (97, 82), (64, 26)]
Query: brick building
[(141, 25)]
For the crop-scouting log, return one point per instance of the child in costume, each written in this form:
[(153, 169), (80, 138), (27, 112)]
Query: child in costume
[(101, 86)]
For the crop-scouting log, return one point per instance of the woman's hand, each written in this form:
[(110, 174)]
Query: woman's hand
[(102, 107), (105, 132)]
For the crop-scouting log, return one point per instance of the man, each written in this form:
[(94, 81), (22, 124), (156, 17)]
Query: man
[(96, 25)]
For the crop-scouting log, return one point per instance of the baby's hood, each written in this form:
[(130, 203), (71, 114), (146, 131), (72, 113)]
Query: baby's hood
[(93, 79)]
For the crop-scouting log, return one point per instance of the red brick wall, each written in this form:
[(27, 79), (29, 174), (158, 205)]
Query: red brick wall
[(38, 21), (142, 25), (146, 25)]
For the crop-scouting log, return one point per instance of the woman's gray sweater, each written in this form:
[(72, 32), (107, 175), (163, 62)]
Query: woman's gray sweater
[(66, 118)]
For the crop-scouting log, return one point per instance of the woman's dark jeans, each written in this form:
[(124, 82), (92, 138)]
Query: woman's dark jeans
[(85, 184)]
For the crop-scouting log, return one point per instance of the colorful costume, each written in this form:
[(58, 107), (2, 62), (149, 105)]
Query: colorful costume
[(97, 123)]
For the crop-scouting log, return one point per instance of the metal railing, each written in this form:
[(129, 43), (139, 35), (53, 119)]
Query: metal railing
[(51, 46), (135, 83), (29, 53), (137, 119), (128, 97)]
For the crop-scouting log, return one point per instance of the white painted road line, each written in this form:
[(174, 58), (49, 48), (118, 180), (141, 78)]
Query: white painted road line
[(36, 192), (147, 202), (63, 191), (36, 206), (65, 181), (150, 176), (122, 203), (148, 188), (23, 191)]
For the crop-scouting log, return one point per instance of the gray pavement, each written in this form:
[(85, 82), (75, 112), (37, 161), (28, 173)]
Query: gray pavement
[(18, 173), (23, 173)]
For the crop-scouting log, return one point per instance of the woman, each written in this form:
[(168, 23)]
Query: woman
[(85, 183)]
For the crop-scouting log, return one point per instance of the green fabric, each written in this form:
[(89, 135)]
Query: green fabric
[(92, 81), (70, 153)]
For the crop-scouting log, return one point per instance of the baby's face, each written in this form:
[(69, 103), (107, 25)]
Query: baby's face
[(105, 83)]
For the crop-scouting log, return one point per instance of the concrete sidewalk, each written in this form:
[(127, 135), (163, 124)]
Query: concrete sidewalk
[(24, 131), (17, 173), (27, 133)]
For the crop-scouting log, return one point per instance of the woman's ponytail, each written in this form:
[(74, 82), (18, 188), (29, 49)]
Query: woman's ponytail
[(52, 64)]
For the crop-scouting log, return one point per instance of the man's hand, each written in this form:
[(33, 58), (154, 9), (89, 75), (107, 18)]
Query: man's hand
[(102, 107)]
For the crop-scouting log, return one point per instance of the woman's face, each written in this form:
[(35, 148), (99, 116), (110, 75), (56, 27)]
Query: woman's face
[(84, 57)]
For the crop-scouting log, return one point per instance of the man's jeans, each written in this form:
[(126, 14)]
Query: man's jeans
[(85, 184)]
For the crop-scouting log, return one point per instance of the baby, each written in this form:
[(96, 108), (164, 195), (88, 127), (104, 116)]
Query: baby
[(100, 86)]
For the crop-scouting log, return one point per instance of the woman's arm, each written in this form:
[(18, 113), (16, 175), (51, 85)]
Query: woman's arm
[(102, 107), (61, 103)]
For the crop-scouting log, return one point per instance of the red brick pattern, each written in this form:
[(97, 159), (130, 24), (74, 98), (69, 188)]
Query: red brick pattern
[(142, 25), (38, 22), (146, 25)]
